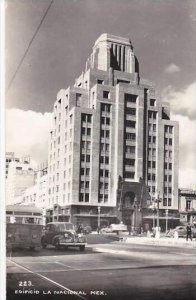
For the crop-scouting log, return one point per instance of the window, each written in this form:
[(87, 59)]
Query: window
[(130, 136), (88, 131), (81, 198), (82, 157), (170, 178), (130, 98), (170, 142), (169, 190), (107, 121), (106, 94), (152, 102), (83, 130), (170, 166), (130, 162), (106, 160), (154, 127), (131, 111), (165, 202), (154, 139), (83, 145), (78, 99), (86, 197), (82, 171), (154, 164), (153, 177), (130, 124), (82, 184), (188, 204), (169, 201), (87, 171), (106, 173), (130, 149), (106, 198), (129, 175), (107, 147), (87, 184), (107, 133), (87, 158), (100, 81)]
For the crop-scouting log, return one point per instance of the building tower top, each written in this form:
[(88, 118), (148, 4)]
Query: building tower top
[(114, 52)]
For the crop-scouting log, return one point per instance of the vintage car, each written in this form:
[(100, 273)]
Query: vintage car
[(115, 228), (62, 234), (181, 231)]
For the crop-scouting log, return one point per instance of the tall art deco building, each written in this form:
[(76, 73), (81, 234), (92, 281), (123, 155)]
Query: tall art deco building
[(113, 144)]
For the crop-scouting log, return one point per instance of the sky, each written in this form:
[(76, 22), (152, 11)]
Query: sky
[(163, 34)]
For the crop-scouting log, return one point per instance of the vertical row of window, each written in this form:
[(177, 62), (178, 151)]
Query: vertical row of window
[(85, 157), (105, 120), (129, 136), (168, 165), (152, 150)]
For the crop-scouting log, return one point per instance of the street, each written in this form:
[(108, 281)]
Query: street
[(107, 269)]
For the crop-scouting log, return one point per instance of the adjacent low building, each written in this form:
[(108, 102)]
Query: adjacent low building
[(187, 206), (113, 147), (20, 177)]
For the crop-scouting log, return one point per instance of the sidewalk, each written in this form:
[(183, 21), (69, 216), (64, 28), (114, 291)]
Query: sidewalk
[(159, 242)]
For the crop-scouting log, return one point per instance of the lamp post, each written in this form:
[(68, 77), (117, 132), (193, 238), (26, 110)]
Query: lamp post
[(98, 224), (166, 221), (158, 200), (153, 214)]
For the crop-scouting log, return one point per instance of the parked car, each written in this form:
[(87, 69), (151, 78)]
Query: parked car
[(62, 234), (181, 230), (114, 228)]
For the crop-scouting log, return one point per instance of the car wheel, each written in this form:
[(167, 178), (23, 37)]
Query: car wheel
[(56, 244), (43, 244), (82, 248)]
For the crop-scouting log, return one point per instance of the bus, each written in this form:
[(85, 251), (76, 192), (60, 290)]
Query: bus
[(24, 226)]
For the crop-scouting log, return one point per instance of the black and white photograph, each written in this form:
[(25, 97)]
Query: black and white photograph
[(100, 149)]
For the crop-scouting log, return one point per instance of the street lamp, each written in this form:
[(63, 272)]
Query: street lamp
[(166, 215), (158, 200), (99, 209)]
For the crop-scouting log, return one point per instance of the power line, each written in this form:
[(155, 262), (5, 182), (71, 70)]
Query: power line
[(29, 45)]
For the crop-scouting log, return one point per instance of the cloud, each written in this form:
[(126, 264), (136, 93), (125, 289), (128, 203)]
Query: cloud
[(187, 151), (27, 133), (183, 109), (182, 102), (172, 68)]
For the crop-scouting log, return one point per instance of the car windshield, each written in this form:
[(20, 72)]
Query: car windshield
[(65, 226)]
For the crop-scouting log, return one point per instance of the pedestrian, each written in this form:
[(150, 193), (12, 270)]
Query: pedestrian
[(80, 228), (188, 232)]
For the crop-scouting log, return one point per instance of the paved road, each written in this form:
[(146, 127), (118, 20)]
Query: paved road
[(106, 270)]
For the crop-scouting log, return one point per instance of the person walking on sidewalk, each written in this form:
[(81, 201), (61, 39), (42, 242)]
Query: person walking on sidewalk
[(188, 232)]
